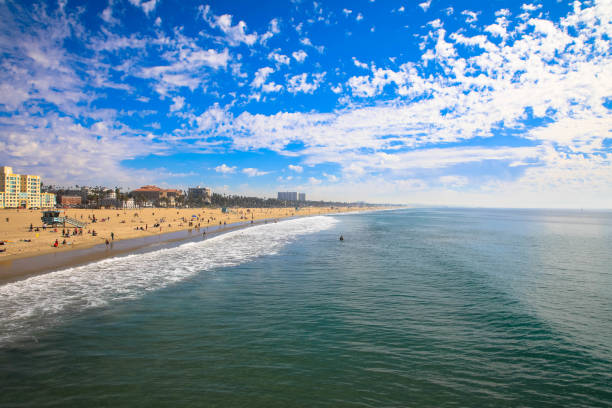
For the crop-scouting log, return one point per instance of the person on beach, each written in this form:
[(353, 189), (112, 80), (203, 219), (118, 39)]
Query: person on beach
[(56, 244), (107, 242), (112, 236)]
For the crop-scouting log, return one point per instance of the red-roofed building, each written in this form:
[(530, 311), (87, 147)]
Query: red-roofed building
[(154, 193), (150, 193)]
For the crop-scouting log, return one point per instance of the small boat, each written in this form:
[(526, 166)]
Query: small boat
[(341, 238)]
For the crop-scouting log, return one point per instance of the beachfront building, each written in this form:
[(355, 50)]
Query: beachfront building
[(70, 201), (129, 204), (30, 185), (47, 200), (287, 195), (20, 190), (156, 195), (291, 196), (200, 193), (171, 193), (109, 203), (147, 193)]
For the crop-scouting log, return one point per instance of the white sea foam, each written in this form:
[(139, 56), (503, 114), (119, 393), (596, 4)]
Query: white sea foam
[(42, 301)]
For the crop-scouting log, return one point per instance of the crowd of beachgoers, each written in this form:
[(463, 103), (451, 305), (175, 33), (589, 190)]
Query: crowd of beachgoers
[(22, 232)]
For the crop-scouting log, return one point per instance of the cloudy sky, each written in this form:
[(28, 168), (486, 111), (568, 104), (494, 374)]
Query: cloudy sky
[(484, 103)]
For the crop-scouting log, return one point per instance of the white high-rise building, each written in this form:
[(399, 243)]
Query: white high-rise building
[(291, 196), (287, 195)]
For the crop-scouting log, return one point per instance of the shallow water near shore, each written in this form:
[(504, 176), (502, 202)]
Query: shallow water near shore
[(419, 307)]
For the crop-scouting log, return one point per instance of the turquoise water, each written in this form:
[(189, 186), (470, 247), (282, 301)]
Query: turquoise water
[(420, 307)]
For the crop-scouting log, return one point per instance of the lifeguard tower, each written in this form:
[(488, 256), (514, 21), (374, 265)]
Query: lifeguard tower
[(53, 217)]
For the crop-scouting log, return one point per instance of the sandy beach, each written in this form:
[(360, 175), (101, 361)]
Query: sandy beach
[(20, 240)]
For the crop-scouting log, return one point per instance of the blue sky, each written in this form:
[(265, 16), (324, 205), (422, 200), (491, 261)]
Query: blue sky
[(497, 103)]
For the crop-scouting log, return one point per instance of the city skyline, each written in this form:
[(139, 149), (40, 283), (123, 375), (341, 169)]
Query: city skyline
[(426, 102)]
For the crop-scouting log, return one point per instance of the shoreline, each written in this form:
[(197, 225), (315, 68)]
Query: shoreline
[(25, 266)]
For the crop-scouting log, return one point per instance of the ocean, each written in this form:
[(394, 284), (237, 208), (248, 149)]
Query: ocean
[(415, 308)]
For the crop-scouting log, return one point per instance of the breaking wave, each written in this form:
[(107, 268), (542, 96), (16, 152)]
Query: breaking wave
[(42, 301)]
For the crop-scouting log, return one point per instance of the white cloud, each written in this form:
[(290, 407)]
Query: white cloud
[(273, 29), (299, 83), (178, 103), (300, 55), (252, 172), (183, 70), (225, 169), (146, 6), (261, 76), (296, 168), (497, 30), (260, 81), (452, 181), (234, 34), (369, 86), (336, 89), (360, 64), (435, 24), (531, 7), (271, 87), (306, 41), (425, 5), (107, 14), (502, 13), (280, 59), (331, 177), (471, 16)]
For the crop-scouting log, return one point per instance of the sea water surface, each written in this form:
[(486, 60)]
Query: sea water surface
[(416, 307)]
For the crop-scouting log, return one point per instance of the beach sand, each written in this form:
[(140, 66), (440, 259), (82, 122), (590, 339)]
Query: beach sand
[(125, 224)]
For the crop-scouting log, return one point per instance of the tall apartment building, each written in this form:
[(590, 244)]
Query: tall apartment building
[(287, 195), (47, 200), (291, 196), (31, 186), (22, 191)]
